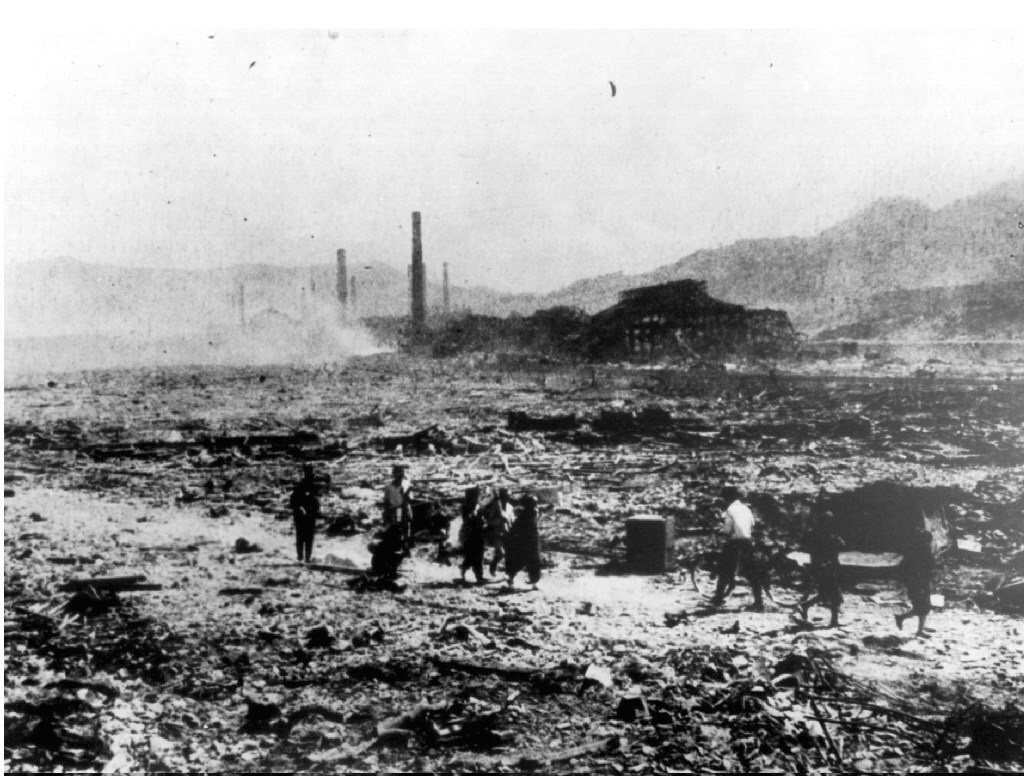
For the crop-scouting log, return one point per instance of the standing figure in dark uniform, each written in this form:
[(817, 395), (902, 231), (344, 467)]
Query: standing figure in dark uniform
[(916, 572), (757, 570), (305, 504), (472, 535), (824, 545), (499, 517), (522, 546)]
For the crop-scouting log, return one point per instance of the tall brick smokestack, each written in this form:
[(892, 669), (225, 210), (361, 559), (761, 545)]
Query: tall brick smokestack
[(342, 279), (418, 313)]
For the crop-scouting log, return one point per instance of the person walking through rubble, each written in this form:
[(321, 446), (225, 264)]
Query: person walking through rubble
[(499, 516), (305, 504), (396, 501), (738, 530), (824, 545), (472, 535), (916, 569), (522, 545)]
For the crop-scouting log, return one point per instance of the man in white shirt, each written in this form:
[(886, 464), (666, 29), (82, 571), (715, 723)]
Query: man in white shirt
[(738, 530)]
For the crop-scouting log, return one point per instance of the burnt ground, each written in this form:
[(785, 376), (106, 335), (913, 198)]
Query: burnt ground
[(222, 664)]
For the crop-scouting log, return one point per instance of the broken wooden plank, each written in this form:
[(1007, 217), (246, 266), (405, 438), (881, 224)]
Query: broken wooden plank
[(601, 746), (415, 441), (868, 565), (1012, 593), (353, 570), (923, 721), (222, 443), (69, 560), (124, 582), (521, 421), (77, 684), (521, 673)]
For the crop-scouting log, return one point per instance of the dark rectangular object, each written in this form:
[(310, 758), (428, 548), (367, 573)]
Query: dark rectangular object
[(649, 544), (520, 421)]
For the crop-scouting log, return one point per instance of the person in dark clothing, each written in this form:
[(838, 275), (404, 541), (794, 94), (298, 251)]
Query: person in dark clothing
[(499, 516), (916, 569), (472, 535), (756, 568), (305, 504), (824, 545), (390, 551), (522, 546)]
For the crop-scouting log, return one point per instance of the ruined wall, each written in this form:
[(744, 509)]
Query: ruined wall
[(681, 319)]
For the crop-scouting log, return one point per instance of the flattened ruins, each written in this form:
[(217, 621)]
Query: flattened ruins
[(156, 618)]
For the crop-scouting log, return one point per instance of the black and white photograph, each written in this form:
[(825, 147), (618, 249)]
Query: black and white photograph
[(448, 400)]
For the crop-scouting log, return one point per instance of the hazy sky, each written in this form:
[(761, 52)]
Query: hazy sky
[(173, 149)]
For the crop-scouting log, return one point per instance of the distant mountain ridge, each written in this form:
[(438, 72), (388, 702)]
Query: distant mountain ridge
[(822, 281), (850, 272)]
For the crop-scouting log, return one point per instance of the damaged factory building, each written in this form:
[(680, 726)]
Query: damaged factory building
[(681, 318)]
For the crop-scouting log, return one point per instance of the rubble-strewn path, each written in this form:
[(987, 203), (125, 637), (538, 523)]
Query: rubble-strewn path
[(246, 661)]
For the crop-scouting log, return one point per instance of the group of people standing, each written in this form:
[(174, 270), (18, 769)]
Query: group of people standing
[(742, 552), (496, 525), (507, 527)]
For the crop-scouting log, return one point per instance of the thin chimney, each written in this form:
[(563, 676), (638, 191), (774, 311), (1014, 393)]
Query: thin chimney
[(352, 294), (418, 277), (342, 279), (447, 292)]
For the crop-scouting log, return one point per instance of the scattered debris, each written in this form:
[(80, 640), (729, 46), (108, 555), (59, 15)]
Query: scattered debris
[(602, 675), (631, 708), (225, 666), (997, 735), (244, 546)]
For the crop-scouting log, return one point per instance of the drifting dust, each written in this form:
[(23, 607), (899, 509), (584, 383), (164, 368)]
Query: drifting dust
[(270, 337)]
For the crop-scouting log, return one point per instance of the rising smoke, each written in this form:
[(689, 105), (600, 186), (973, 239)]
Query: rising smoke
[(320, 336)]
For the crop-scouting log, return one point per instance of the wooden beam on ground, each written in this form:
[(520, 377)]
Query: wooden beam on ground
[(124, 582), (352, 570)]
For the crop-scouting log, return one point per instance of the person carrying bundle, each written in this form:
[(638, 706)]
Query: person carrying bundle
[(824, 545), (916, 569)]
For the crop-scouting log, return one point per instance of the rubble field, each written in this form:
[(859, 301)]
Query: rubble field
[(155, 618)]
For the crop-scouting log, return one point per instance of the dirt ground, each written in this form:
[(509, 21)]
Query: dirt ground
[(250, 662)]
